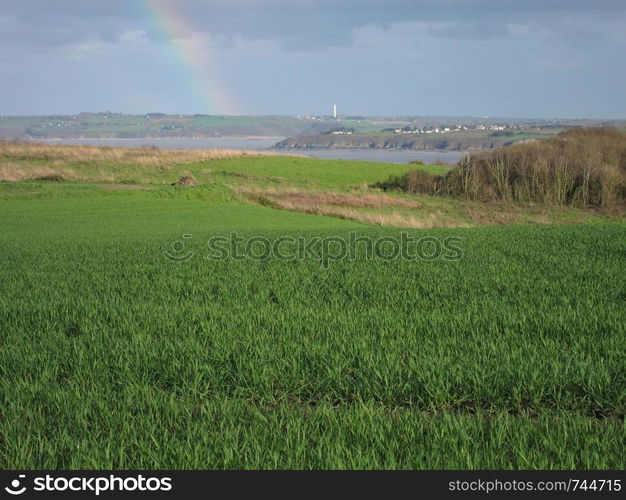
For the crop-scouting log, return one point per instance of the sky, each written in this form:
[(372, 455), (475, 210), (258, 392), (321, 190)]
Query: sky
[(505, 58)]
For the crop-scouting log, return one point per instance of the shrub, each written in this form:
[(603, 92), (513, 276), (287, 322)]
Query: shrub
[(414, 181), (582, 167), (49, 178)]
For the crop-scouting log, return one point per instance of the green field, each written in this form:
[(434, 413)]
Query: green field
[(148, 125), (112, 356), (311, 172)]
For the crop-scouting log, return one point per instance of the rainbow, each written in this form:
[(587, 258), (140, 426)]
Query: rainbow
[(198, 60)]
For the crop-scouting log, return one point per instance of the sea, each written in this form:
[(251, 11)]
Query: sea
[(266, 143)]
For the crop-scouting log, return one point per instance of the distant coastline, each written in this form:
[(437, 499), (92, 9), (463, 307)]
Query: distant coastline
[(387, 142), (160, 138)]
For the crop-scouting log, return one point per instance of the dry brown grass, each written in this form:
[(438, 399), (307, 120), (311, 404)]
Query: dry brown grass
[(12, 171), (17, 158), (393, 219), (300, 198), (366, 207)]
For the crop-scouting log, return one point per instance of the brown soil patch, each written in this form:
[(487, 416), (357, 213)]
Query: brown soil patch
[(185, 181)]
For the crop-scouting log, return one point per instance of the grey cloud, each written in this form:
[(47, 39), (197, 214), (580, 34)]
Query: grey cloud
[(472, 31), (295, 24)]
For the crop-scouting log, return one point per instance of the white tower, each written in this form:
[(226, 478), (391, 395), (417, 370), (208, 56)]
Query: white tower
[(335, 111)]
